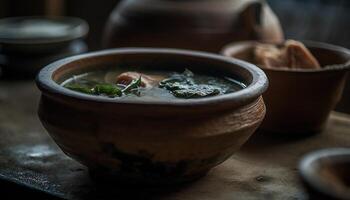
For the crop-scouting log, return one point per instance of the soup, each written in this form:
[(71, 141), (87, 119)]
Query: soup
[(151, 84)]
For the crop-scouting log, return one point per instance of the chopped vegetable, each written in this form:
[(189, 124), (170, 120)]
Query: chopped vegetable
[(184, 86), (79, 88), (132, 86), (108, 89), (99, 89)]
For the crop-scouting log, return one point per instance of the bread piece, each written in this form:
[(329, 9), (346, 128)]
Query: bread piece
[(299, 56), (269, 56), (292, 54)]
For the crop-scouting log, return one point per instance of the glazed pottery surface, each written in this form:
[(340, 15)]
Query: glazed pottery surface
[(154, 141), (326, 174), (300, 100), (205, 25)]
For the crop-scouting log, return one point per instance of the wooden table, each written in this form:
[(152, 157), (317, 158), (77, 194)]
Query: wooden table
[(31, 164)]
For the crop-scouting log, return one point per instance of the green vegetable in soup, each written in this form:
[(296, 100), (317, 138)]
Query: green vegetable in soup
[(132, 86), (108, 89), (79, 88), (185, 86), (99, 89)]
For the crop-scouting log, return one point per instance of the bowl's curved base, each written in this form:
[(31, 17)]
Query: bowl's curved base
[(119, 178)]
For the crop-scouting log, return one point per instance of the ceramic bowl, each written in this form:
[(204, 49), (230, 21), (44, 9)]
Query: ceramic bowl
[(29, 43), (150, 141), (300, 100), (40, 34), (326, 174)]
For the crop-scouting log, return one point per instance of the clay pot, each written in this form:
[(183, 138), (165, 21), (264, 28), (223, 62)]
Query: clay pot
[(205, 25), (150, 141), (300, 100), (326, 174)]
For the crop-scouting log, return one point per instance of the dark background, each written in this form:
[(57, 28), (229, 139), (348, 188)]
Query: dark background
[(321, 20)]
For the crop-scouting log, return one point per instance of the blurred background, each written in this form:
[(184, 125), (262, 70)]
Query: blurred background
[(322, 20)]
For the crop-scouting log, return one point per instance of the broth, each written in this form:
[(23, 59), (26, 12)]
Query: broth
[(115, 83)]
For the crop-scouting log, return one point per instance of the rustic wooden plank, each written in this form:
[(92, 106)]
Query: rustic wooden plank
[(265, 168)]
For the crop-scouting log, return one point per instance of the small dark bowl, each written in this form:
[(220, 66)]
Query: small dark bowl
[(29, 43), (326, 174), (299, 101), (150, 141), (15, 40)]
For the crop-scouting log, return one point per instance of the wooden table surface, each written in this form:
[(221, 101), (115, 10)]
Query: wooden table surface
[(265, 168)]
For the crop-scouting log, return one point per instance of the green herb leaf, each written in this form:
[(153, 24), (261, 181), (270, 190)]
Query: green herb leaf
[(79, 88), (184, 86), (108, 89), (135, 84)]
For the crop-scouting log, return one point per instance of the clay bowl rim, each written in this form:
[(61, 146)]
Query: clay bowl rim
[(238, 46), (255, 89), (309, 164), (80, 30)]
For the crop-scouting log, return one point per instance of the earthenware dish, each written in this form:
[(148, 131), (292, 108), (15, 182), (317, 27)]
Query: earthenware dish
[(326, 174), (153, 141), (300, 100), (29, 43), (40, 34)]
